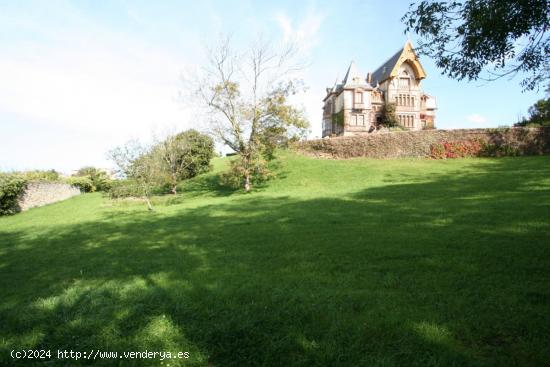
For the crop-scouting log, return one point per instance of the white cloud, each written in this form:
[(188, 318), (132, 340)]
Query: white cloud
[(304, 31), (95, 86), (476, 118), (106, 83), (87, 86)]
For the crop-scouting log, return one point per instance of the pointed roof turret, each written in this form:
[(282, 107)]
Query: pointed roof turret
[(335, 84), (354, 78), (332, 89)]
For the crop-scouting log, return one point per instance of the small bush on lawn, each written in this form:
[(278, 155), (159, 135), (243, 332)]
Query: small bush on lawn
[(234, 177), (83, 183), (11, 189), (456, 149)]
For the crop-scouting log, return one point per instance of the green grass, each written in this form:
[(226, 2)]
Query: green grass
[(334, 263)]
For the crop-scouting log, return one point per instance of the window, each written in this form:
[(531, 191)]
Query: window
[(405, 99), (358, 97), (406, 120)]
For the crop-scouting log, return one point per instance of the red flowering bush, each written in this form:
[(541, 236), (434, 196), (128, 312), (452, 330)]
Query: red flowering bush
[(456, 149)]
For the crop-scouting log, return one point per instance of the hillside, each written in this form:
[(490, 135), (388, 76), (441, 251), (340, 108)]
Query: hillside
[(333, 263)]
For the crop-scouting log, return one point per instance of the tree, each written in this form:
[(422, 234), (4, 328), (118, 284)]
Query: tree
[(247, 99), (135, 161), (389, 118), (185, 155), (485, 39), (97, 176), (539, 114)]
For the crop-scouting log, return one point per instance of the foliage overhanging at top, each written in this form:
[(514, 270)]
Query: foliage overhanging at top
[(485, 39)]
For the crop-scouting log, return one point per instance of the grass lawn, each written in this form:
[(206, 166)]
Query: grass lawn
[(334, 263)]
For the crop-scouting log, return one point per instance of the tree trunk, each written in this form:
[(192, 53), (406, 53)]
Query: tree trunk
[(149, 206), (174, 184), (247, 182)]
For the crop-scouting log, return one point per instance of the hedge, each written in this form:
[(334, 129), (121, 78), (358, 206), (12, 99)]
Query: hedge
[(84, 183), (12, 187), (427, 143)]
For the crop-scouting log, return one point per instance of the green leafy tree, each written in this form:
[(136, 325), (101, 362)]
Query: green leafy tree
[(539, 114), (248, 103), (138, 163), (185, 155), (389, 118), (485, 39), (98, 177)]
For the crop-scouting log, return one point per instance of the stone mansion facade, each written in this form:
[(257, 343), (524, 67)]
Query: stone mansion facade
[(355, 106)]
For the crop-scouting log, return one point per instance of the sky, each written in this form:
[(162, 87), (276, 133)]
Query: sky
[(78, 78)]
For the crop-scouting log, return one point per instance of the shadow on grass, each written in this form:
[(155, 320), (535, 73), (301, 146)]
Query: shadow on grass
[(453, 271)]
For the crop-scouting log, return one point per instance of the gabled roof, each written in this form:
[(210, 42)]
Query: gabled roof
[(391, 66), (384, 71)]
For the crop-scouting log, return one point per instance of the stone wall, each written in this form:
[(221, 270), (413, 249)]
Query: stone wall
[(525, 141), (42, 193)]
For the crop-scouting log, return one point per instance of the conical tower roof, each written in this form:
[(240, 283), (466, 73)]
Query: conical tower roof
[(354, 78)]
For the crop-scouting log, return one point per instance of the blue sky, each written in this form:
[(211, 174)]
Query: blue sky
[(80, 77)]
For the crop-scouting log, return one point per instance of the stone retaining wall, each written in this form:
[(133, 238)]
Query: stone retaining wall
[(42, 193), (525, 141)]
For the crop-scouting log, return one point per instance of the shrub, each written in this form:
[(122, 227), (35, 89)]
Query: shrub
[(85, 184), (472, 148), (38, 175), (97, 176), (124, 189), (234, 177), (133, 189), (389, 117), (456, 149), (499, 150), (12, 188)]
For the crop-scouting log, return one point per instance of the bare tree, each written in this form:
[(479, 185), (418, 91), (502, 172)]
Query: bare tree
[(247, 96)]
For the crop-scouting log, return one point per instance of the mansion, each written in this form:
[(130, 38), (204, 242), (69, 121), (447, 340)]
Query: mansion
[(355, 106)]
